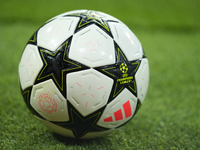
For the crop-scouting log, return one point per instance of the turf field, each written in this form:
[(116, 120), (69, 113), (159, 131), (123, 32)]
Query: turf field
[(169, 118)]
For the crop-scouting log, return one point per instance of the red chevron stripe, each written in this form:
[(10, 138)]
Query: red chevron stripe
[(118, 115), (109, 119), (127, 109)]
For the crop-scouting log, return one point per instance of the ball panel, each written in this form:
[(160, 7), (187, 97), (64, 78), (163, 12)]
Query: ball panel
[(56, 129), (119, 111), (107, 17), (54, 33), (29, 66), (92, 47), (127, 41), (142, 79), (67, 13), (49, 102), (88, 90)]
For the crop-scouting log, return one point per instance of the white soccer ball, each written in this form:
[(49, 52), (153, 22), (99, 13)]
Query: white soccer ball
[(83, 74)]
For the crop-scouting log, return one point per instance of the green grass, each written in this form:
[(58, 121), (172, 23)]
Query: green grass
[(168, 118)]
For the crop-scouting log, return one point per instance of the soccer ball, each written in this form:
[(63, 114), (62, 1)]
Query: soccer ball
[(83, 74)]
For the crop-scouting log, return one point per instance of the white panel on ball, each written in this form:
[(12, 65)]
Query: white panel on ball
[(56, 129), (49, 102), (127, 41), (67, 13), (88, 90), (54, 33), (142, 79), (92, 47), (108, 17), (29, 66), (119, 111)]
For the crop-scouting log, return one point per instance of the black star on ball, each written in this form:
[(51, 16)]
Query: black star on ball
[(57, 65), (33, 39), (123, 74), (92, 17), (81, 125)]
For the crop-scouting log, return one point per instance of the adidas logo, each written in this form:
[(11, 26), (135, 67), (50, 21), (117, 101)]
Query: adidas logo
[(118, 114)]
